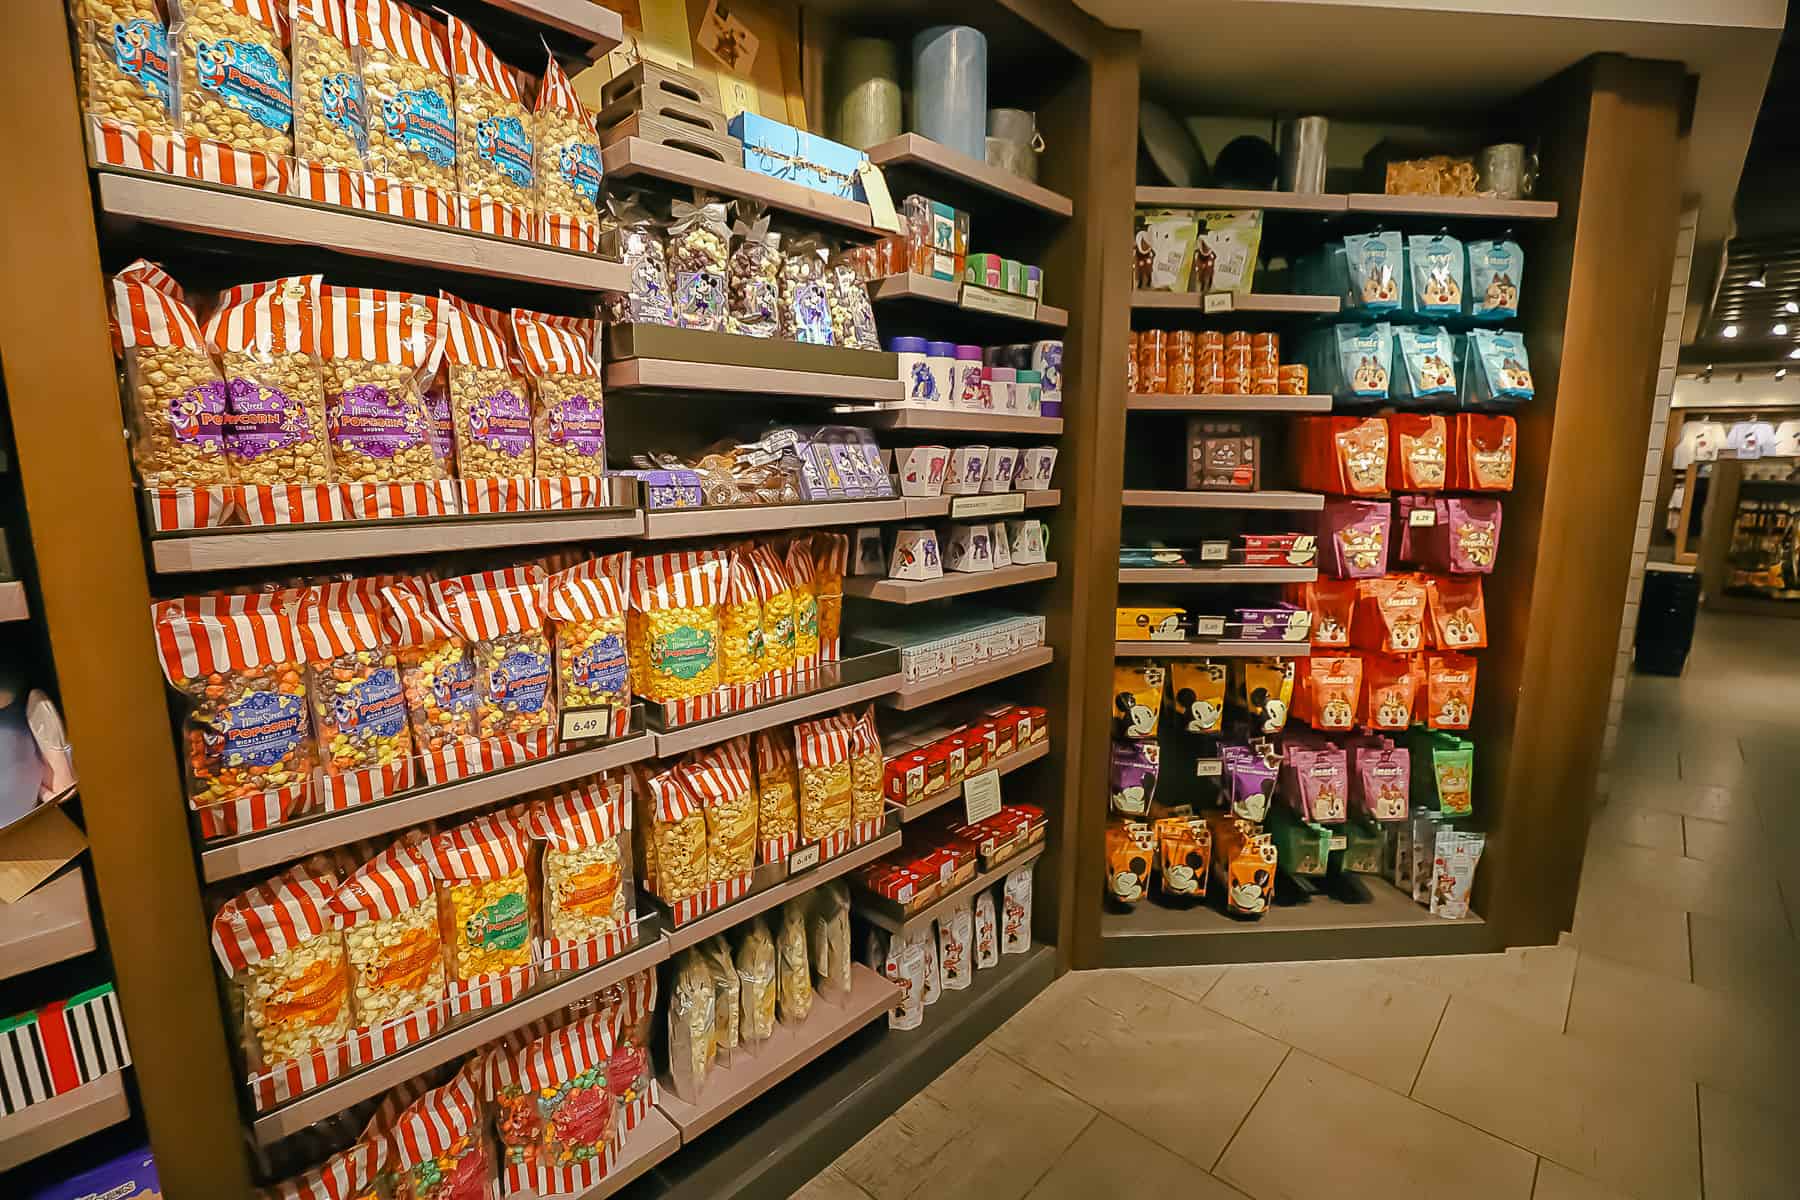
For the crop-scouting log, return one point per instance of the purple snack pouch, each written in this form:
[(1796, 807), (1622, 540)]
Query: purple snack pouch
[(1354, 534), (1134, 769), (1252, 787), (1320, 783), (1466, 538), (1383, 782)]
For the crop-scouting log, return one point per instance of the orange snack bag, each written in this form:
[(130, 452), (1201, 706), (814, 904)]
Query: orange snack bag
[(1449, 690)]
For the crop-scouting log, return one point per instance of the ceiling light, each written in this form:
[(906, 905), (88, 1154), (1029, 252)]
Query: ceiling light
[(1780, 329), (1762, 278), (1791, 308), (1780, 375), (1729, 331), (1794, 353)]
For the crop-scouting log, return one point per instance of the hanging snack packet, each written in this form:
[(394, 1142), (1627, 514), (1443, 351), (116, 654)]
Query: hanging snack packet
[(693, 1024), (1436, 261), (987, 929), (743, 662), (485, 895), (1265, 687), (494, 159), (672, 624), (489, 401), (436, 670), (1418, 460), (1130, 851), (283, 949), (676, 863), (1364, 358), (381, 348), (1456, 855), (569, 421), (721, 778), (236, 657), (1449, 690), (1184, 850), (1427, 365), (931, 987), (1135, 766), (388, 910), (1381, 782), (353, 677), (1329, 691), (1458, 616), (630, 234), (1361, 451), (1499, 369), (1332, 603), (406, 85), (778, 809), (1317, 786), (1453, 774), (1464, 539), (831, 556), (235, 84), (867, 768), (1391, 682), (566, 166), (1483, 457), (755, 961), (794, 991), (1137, 699), (268, 339), (805, 303), (330, 117), (956, 946), (827, 793), (699, 235), (587, 604), (1198, 689), (123, 46), (1355, 539), (501, 615), (177, 399), (586, 869), (1377, 281), (1015, 922), (753, 276), (1495, 271), (828, 928), (1391, 615), (1250, 782)]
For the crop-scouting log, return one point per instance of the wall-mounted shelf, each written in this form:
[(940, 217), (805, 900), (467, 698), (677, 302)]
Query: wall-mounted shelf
[(1270, 501), (634, 156), (949, 292), (928, 914), (954, 583), (915, 150), (1156, 402), (47, 926), (600, 27), (756, 518), (695, 932), (942, 687), (1452, 206), (943, 796), (1331, 203), (959, 420), (1218, 574), (1251, 302), (1220, 649), (689, 375), (14, 606), (1324, 203), (62, 1120)]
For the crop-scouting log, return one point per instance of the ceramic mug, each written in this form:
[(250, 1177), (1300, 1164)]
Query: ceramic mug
[(1506, 170)]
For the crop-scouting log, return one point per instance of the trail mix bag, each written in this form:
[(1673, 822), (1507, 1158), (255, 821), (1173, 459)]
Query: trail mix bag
[(501, 615)]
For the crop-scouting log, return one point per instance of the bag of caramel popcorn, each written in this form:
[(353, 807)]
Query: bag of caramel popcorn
[(673, 624), (440, 1145), (802, 582), (778, 805), (867, 769), (822, 752), (742, 659), (567, 166), (501, 615), (436, 670), (676, 862), (831, 555), (777, 598), (589, 907), (267, 337), (330, 116), (358, 700), (389, 913), (490, 406), (722, 779), (494, 161), (380, 350), (176, 398), (123, 48), (235, 84), (405, 68), (587, 604), (486, 909), (569, 420), (247, 737), (283, 950)]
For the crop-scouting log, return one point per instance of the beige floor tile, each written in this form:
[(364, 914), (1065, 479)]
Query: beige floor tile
[(1737, 844), (1557, 1182), (1110, 1160), (1590, 1108), (1354, 1015), (1748, 1150), (1531, 982), (830, 1184), (1170, 1069), (1192, 982), (1691, 799), (1717, 889), (1627, 824), (1748, 960), (1742, 1044), (1322, 1131), (947, 1141), (1631, 925), (1723, 765)]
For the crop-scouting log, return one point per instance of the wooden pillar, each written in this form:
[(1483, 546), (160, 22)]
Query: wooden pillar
[(63, 397)]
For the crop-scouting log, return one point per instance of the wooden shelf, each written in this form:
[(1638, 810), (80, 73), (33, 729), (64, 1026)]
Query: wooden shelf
[(779, 712), (1252, 302), (928, 914), (942, 687), (297, 839), (47, 926), (958, 420), (916, 150), (1221, 649), (1147, 402), (600, 27), (631, 156), (954, 583), (13, 604), (653, 1139), (460, 1037), (1268, 201), (1452, 206), (695, 932), (278, 545), (949, 292), (939, 506), (1006, 766), (1218, 574), (729, 1089), (287, 221), (695, 376), (725, 522), (1271, 501), (62, 1120)]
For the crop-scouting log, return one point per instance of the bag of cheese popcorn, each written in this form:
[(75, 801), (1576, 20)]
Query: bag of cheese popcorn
[(486, 907), (494, 160), (283, 948), (777, 598), (405, 69), (673, 626), (743, 661), (235, 83), (589, 911), (176, 397), (389, 913)]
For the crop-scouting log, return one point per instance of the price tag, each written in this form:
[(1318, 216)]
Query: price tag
[(804, 859), (1209, 768), (881, 203), (585, 724), (997, 505), (945, 871), (981, 796), (980, 299), (1422, 517), (1216, 302), (1215, 551), (1209, 626), (1339, 842)]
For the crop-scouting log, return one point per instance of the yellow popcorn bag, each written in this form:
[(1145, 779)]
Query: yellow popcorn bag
[(589, 915), (266, 336), (822, 754), (486, 910), (176, 398), (357, 696), (283, 949), (778, 804), (380, 349), (673, 631), (501, 615), (777, 621), (831, 555), (587, 604), (742, 659), (722, 779), (561, 358), (490, 409), (867, 769), (494, 161), (802, 582), (389, 913)]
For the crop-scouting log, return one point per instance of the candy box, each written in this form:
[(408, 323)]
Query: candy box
[(1012, 276), (903, 780), (1025, 539), (868, 558), (1282, 623), (1002, 544), (675, 488), (1036, 465), (968, 466), (1029, 397), (970, 548), (783, 152), (1148, 624), (915, 555), (1279, 549), (985, 270), (997, 477)]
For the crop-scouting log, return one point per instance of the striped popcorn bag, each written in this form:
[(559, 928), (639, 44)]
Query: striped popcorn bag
[(388, 909), (411, 152), (802, 580), (487, 889), (518, 1126), (568, 168), (589, 908), (723, 779), (490, 408), (358, 702), (778, 806), (331, 133), (822, 759), (743, 661), (561, 356), (172, 509), (350, 1174), (436, 672), (777, 596), (831, 557), (501, 615), (235, 90), (494, 160), (586, 602), (567, 1071), (247, 738), (673, 632), (631, 1008), (676, 854), (176, 398), (117, 143), (439, 1144)]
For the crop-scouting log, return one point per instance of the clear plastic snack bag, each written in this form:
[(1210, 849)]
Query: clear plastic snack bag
[(123, 47), (753, 276), (852, 315), (494, 159), (235, 83), (727, 1013), (561, 357), (283, 950), (353, 680), (587, 888), (486, 896), (407, 90), (388, 910), (793, 972), (805, 292), (587, 603), (435, 668), (987, 931), (330, 115), (641, 248), (699, 238), (828, 925), (267, 338), (755, 961), (567, 169), (490, 403), (725, 783), (693, 1024)]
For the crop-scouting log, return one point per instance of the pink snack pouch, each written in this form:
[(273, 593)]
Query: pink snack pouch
[(1319, 784), (1382, 783), (1354, 537), (1465, 540)]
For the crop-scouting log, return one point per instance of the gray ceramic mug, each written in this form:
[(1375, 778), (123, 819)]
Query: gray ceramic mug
[(1506, 170)]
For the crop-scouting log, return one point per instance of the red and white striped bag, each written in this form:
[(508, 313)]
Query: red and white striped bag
[(518, 1126), (676, 858), (331, 120), (447, 1125), (402, 182), (822, 761), (743, 658), (580, 1129), (175, 395), (631, 1006), (485, 901), (779, 680), (491, 414), (347, 1175), (173, 509), (216, 154), (568, 167), (725, 782), (677, 667), (589, 912), (266, 335), (487, 155), (358, 701), (587, 603), (501, 614), (388, 909), (235, 166), (248, 736), (120, 144), (802, 582), (561, 356)]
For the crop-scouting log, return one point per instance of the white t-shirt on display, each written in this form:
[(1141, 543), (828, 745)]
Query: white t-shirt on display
[(1751, 439), (1787, 440), (1700, 442)]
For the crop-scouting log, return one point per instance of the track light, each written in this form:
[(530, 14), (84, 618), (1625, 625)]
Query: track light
[(1729, 331), (1794, 353), (1781, 375), (1762, 278), (1791, 308), (1780, 329)]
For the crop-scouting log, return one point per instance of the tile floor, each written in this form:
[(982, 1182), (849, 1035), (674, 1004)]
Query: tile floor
[(1652, 1055)]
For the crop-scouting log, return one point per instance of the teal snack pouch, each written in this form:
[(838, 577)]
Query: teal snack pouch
[(1498, 368), (1375, 262), (1496, 269), (1435, 270), (1427, 357), (1364, 361)]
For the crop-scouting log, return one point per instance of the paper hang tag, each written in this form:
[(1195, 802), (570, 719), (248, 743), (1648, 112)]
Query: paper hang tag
[(981, 796), (1422, 518), (881, 203)]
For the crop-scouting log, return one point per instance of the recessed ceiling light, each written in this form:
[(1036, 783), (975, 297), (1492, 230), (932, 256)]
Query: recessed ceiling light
[(1792, 308), (1779, 329), (1780, 375), (1762, 278), (1729, 331)]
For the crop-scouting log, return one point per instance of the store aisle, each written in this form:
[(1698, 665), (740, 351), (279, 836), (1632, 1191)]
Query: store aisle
[(1651, 1056)]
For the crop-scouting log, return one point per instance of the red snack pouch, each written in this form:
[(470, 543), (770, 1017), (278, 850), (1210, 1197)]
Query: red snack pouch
[(1458, 616), (1361, 450), (1332, 603), (1390, 684), (1329, 689), (1449, 690), (1391, 615), (1484, 453), (1418, 452)]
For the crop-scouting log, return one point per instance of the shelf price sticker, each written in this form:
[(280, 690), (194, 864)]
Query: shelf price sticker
[(804, 859), (1209, 768), (981, 796), (1216, 302), (1339, 842), (1422, 518), (586, 724), (997, 505), (1215, 552), (1005, 304), (1209, 626)]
